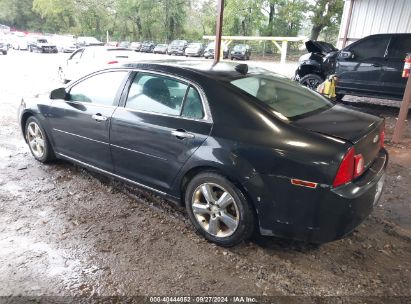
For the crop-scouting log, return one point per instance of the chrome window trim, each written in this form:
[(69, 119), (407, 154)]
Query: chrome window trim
[(206, 107), (109, 173)]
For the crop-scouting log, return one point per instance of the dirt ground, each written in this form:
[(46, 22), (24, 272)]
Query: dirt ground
[(66, 231)]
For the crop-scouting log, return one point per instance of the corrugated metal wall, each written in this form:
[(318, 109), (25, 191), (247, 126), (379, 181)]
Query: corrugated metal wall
[(376, 16)]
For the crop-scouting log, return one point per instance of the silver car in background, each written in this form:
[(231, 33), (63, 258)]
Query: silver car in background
[(86, 60)]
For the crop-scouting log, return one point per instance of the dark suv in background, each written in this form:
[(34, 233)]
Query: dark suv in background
[(177, 47), (371, 66)]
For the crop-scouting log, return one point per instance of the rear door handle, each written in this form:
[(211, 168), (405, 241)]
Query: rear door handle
[(99, 117), (181, 134)]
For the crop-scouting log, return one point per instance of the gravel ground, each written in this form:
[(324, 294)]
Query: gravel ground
[(66, 231)]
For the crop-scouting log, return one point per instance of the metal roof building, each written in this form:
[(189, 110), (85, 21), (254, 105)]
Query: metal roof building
[(366, 17)]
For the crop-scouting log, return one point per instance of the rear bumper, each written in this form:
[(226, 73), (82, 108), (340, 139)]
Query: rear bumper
[(176, 52), (316, 215)]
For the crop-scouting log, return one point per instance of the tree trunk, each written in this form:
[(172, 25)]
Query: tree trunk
[(315, 31), (270, 19)]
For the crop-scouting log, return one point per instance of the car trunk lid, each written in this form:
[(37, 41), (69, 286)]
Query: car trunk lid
[(361, 129)]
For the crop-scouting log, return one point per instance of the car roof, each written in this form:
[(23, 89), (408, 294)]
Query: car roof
[(225, 71)]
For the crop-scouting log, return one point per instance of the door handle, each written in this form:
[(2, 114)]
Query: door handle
[(376, 65), (99, 117), (181, 134)]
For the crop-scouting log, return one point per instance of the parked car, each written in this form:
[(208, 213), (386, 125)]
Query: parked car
[(136, 46), (19, 43), (240, 51), (195, 49), (296, 169), (209, 51), (41, 45), (147, 47), (83, 41), (87, 59), (111, 44), (124, 44), (4, 47), (160, 49), (177, 47), (65, 44), (371, 66)]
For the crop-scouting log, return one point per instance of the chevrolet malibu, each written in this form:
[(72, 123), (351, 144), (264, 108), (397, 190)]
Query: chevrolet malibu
[(243, 149)]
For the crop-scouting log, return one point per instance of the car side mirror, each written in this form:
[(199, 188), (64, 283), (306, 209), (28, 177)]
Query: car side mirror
[(59, 93), (347, 55)]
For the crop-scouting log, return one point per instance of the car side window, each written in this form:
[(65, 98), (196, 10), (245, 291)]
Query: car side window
[(373, 47), (155, 93), (400, 46), (193, 107), (99, 89)]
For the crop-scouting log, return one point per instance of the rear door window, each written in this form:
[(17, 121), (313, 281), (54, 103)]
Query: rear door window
[(155, 93), (372, 47), (193, 106)]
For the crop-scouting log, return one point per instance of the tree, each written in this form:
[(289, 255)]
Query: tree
[(19, 14), (326, 13), (242, 17)]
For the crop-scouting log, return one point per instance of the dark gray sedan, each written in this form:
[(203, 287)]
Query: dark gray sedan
[(242, 149)]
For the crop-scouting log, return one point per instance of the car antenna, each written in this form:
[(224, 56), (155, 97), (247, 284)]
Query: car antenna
[(242, 68)]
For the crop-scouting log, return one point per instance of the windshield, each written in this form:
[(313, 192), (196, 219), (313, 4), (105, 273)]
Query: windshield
[(42, 41), (239, 48), (289, 101), (194, 45)]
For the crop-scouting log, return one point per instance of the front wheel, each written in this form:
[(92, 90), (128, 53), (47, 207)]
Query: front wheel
[(38, 141), (311, 81), (219, 210)]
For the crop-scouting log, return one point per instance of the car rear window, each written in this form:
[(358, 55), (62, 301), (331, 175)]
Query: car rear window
[(288, 100)]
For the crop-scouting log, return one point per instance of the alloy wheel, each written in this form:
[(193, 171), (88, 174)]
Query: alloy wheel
[(35, 139), (311, 83), (215, 210)]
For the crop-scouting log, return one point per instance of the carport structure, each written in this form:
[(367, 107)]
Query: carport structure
[(227, 40), (370, 17)]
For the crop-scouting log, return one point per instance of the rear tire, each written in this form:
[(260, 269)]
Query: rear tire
[(5, 53), (311, 81), (218, 210), (38, 141)]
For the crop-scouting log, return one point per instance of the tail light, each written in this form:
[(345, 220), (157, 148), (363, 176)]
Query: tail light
[(112, 62), (346, 170), (358, 165), (351, 167)]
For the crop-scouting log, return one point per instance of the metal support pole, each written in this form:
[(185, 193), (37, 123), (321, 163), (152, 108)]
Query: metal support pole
[(284, 51), (219, 30), (347, 25), (402, 117)]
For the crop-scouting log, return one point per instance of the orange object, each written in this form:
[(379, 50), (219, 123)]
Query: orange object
[(407, 66)]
